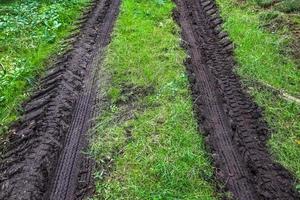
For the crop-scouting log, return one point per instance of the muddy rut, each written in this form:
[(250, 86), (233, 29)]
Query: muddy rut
[(43, 159), (234, 128)]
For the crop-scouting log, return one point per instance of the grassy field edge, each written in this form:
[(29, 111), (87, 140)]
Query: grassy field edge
[(147, 143), (260, 60)]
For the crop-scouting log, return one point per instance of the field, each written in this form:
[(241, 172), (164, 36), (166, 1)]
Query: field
[(161, 99)]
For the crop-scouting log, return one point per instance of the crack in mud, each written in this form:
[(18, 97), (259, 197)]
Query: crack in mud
[(43, 158), (236, 132)]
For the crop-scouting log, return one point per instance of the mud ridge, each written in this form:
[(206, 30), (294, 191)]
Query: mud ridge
[(235, 130), (43, 159)]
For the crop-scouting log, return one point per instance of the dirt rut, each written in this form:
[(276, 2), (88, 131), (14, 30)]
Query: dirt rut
[(234, 128), (43, 159)]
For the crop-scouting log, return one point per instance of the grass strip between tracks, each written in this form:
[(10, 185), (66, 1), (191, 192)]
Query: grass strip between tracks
[(260, 58), (30, 33), (147, 143)]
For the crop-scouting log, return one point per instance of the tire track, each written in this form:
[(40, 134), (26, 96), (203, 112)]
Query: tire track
[(67, 171), (43, 158), (234, 126)]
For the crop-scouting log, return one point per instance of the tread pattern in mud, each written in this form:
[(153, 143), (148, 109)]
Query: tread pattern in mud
[(234, 128), (43, 158)]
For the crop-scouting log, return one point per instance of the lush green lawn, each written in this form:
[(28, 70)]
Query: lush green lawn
[(30, 32), (260, 58), (148, 137)]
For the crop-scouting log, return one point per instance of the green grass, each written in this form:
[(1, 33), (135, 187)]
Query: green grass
[(149, 132), (260, 58), (264, 3), (287, 6), (258, 51), (30, 32)]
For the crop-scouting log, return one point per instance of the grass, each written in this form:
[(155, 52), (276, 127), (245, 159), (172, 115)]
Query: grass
[(287, 6), (260, 58), (258, 51), (147, 143), (30, 32), (283, 18)]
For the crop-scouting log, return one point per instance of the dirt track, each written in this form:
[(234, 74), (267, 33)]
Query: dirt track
[(233, 124), (43, 159)]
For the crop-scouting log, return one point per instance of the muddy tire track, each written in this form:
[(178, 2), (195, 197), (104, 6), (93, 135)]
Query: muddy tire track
[(233, 124), (43, 159)]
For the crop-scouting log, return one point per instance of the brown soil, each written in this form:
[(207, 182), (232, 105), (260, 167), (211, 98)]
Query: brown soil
[(232, 122)]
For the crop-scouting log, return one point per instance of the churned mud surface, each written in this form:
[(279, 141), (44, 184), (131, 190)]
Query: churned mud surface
[(43, 159), (232, 122)]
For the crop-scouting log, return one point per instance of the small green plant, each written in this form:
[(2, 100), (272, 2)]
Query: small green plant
[(114, 94), (298, 187)]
